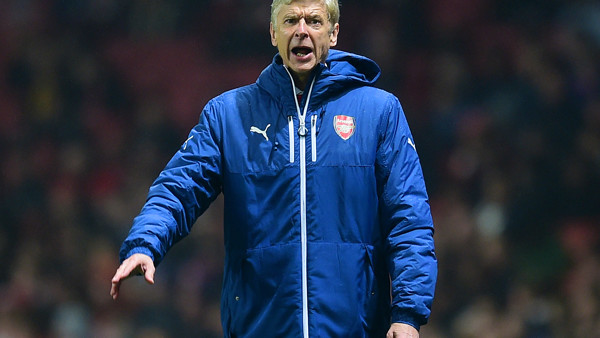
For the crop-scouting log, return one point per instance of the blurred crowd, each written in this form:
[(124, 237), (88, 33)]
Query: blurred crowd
[(503, 98)]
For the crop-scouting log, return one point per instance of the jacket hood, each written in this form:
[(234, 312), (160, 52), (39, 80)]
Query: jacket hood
[(342, 71)]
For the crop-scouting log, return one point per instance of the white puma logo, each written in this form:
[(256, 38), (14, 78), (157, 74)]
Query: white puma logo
[(262, 132), (410, 141)]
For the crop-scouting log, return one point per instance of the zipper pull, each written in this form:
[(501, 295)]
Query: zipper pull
[(302, 131)]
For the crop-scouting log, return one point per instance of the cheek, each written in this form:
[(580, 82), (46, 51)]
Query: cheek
[(324, 45), (281, 44)]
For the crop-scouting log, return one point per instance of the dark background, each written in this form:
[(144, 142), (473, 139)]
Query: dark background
[(503, 98)]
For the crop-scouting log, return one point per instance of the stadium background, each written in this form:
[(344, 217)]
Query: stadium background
[(503, 98)]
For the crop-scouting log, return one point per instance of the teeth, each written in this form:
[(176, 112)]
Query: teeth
[(300, 54)]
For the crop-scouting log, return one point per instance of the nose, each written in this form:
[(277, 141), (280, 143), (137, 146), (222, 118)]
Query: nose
[(301, 30)]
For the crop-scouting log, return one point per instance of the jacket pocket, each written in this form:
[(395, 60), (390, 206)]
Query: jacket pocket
[(372, 295), (343, 290), (264, 300)]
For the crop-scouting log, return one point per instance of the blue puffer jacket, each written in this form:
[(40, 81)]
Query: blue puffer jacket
[(325, 205)]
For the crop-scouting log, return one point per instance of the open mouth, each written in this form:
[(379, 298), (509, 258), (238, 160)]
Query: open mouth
[(301, 51)]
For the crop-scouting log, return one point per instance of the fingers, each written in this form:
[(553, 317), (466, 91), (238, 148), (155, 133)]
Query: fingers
[(137, 264), (149, 273), (398, 330), (122, 272), (114, 289)]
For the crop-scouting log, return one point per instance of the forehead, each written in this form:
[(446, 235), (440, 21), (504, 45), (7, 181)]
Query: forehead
[(309, 7)]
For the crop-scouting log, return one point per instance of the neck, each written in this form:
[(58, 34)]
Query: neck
[(300, 80)]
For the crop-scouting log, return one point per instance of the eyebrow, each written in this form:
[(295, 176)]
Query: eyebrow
[(308, 16)]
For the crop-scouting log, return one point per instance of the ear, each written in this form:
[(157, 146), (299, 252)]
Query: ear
[(273, 37), (333, 37)]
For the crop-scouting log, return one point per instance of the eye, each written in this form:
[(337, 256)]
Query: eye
[(314, 22), (290, 21)]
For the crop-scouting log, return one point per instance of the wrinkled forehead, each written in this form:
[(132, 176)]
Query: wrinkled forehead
[(315, 6), (310, 10)]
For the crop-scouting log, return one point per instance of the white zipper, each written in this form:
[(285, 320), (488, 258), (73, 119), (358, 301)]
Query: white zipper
[(292, 142), (303, 231), (313, 136), (303, 236)]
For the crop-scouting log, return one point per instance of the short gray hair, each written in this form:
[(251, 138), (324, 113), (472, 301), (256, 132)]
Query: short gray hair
[(333, 11)]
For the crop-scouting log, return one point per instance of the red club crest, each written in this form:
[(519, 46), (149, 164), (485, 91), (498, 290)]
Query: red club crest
[(344, 126)]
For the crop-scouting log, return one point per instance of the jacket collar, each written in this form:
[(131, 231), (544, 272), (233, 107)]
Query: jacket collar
[(341, 72)]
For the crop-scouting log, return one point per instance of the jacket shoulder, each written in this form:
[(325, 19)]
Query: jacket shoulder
[(231, 100), (237, 93), (377, 93), (373, 97)]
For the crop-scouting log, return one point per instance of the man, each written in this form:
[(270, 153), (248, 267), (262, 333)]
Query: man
[(326, 212)]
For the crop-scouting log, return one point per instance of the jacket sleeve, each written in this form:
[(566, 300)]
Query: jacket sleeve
[(406, 220), (181, 193)]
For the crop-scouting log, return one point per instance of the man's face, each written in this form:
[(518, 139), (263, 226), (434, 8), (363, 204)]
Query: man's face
[(302, 35)]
